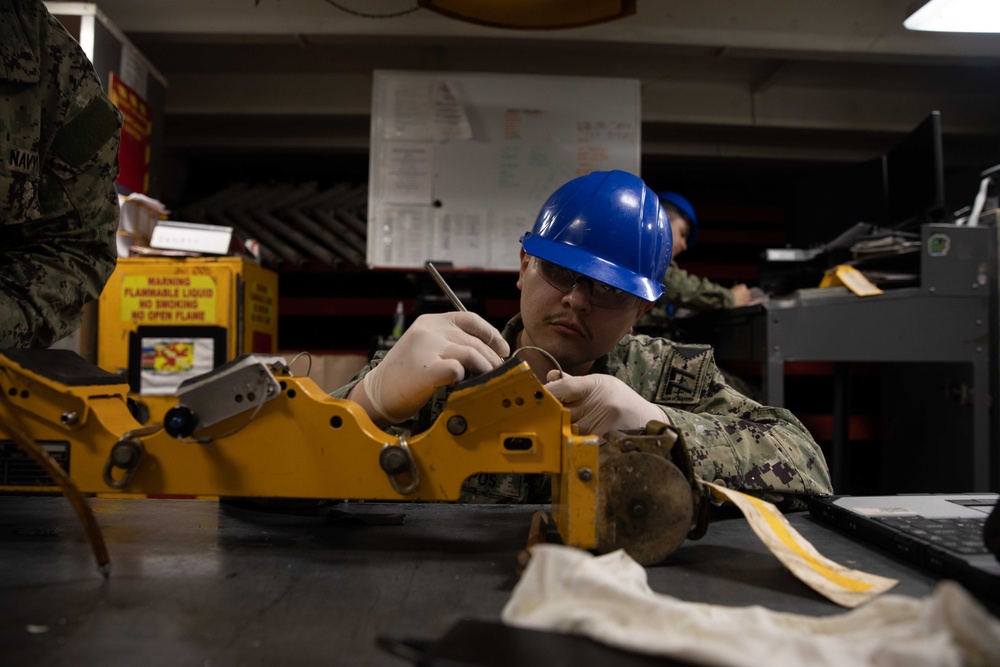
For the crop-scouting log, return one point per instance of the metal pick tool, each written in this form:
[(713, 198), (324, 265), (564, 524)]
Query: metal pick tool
[(449, 292)]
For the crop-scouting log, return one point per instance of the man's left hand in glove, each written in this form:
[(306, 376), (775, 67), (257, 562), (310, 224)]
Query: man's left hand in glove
[(602, 403)]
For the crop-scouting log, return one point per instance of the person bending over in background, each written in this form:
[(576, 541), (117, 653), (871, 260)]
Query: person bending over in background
[(589, 268), (58, 205)]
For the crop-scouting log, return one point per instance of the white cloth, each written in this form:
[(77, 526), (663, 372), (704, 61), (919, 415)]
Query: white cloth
[(608, 599)]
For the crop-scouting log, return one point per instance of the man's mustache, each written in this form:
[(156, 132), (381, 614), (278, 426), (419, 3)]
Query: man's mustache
[(564, 316)]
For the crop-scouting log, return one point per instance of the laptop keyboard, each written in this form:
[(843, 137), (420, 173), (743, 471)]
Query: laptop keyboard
[(963, 536)]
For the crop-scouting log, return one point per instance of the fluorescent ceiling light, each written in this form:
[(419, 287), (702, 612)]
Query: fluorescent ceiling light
[(956, 16)]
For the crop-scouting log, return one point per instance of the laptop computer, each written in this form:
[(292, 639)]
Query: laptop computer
[(945, 533)]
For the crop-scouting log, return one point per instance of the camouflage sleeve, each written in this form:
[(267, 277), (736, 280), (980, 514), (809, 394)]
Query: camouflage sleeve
[(342, 392), (748, 446), (732, 439), (58, 240), (684, 290)]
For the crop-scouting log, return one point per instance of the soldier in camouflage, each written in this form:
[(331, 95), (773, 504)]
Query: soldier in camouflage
[(680, 288), (573, 329), (59, 138)]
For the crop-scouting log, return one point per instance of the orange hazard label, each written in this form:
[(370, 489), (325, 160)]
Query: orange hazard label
[(261, 303), (169, 299)]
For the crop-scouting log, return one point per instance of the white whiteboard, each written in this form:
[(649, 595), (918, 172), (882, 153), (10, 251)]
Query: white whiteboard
[(461, 163)]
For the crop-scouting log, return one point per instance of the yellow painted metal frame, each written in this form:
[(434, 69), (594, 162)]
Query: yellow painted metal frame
[(306, 444)]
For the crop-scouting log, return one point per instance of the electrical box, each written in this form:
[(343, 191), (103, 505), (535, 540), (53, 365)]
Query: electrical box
[(958, 260), (164, 320)]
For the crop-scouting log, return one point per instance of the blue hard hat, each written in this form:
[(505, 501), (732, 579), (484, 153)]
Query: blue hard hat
[(685, 207), (608, 226)]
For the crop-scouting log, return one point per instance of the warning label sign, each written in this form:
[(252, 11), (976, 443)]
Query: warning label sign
[(261, 302), (169, 299)]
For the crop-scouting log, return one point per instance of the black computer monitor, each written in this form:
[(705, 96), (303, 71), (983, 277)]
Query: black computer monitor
[(915, 177)]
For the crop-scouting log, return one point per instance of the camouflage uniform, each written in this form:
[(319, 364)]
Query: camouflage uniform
[(684, 290), (59, 139), (731, 439)]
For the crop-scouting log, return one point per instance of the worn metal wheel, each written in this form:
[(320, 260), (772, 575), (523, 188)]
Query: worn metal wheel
[(644, 505)]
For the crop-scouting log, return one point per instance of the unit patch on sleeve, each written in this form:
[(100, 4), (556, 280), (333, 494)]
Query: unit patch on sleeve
[(684, 375)]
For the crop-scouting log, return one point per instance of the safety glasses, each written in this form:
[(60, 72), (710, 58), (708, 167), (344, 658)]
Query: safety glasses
[(601, 295)]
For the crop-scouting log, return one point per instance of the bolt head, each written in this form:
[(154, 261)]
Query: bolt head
[(393, 460), (457, 425), (122, 455)]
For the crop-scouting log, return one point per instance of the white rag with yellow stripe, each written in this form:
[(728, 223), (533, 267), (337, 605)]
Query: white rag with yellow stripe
[(608, 599)]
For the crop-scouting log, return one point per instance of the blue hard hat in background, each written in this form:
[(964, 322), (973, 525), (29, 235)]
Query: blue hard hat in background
[(608, 226), (685, 207)]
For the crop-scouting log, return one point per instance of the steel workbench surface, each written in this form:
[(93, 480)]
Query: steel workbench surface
[(196, 582)]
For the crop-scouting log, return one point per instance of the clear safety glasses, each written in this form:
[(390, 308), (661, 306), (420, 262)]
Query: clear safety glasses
[(601, 295)]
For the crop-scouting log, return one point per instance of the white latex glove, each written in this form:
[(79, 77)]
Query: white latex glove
[(602, 403), (434, 352)]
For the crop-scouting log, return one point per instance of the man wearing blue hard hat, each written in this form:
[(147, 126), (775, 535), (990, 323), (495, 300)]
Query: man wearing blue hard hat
[(682, 289), (590, 267)]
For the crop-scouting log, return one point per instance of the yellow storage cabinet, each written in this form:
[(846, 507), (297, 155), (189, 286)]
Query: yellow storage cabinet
[(164, 320)]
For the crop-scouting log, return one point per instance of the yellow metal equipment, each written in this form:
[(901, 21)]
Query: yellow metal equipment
[(250, 429), (165, 320)]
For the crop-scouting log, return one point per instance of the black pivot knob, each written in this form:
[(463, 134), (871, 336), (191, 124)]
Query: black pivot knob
[(180, 421)]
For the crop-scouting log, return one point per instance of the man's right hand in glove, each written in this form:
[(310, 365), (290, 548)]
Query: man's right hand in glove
[(436, 351)]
